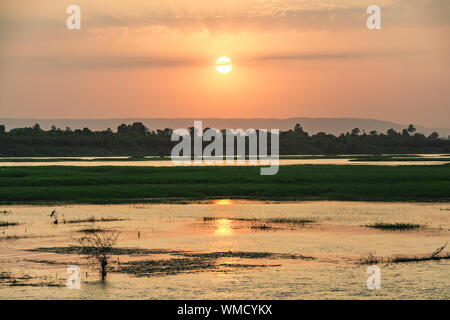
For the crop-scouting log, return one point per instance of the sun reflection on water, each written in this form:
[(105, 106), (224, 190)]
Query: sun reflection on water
[(223, 202), (223, 227)]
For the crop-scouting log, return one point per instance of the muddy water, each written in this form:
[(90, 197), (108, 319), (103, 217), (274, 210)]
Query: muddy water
[(313, 260)]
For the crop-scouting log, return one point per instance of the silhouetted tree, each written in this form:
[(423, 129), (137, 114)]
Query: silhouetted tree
[(392, 132), (86, 131), (122, 129), (138, 128), (137, 140), (433, 135), (355, 132), (37, 127), (411, 129)]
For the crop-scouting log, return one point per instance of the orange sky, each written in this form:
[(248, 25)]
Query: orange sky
[(291, 58)]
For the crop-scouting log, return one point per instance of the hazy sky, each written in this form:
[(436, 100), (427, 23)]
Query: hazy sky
[(141, 58)]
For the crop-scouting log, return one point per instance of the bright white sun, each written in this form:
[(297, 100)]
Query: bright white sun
[(223, 65)]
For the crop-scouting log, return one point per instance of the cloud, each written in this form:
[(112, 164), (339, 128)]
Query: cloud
[(331, 56), (93, 63), (264, 16), (247, 15), (143, 62)]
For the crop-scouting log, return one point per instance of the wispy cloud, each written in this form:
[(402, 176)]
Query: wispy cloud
[(272, 16), (94, 63), (246, 15), (143, 62)]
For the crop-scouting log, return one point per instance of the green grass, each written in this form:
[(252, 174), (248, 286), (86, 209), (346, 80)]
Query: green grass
[(394, 226), (109, 184)]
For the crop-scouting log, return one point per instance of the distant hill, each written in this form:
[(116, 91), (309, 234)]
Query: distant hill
[(334, 126)]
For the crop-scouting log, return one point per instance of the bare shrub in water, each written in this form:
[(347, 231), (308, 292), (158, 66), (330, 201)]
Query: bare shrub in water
[(99, 247), (372, 258)]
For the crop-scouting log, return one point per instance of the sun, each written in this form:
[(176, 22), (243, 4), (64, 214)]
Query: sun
[(223, 65)]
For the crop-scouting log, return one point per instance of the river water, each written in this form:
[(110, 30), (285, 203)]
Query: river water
[(314, 260)]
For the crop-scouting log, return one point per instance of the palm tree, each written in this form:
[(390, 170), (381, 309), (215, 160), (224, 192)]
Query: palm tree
[(411, 129)]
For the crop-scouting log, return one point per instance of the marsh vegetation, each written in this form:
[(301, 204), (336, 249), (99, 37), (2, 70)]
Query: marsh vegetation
[(395, 226), (91, 219), (8, 224), (164, 184), (298, 221), (372, 258), (92, 230)]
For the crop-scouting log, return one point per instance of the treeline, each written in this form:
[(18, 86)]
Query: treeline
[(137, 140)]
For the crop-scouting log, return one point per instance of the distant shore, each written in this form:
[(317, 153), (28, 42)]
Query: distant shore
[(363, 157)]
